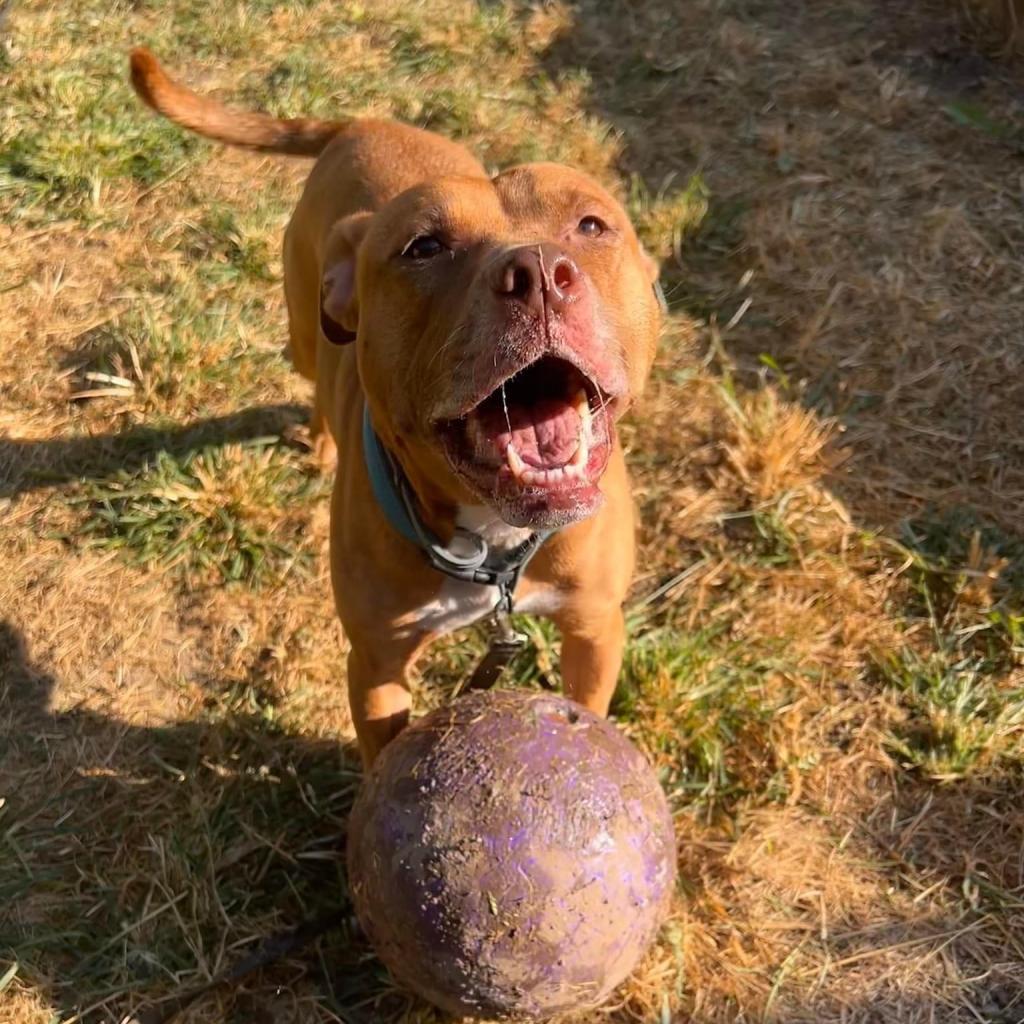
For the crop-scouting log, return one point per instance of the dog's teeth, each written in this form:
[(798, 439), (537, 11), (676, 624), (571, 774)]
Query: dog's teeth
[(582, 406), (515, 463), (577, 463), (579, 459), (544, 477), (477, 438)]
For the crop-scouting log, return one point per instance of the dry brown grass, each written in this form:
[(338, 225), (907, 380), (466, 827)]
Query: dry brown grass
[(829, 466), (1006, 16)]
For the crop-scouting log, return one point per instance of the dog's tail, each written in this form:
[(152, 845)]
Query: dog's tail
[(300, 136)]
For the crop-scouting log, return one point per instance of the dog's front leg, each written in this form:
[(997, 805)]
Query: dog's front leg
[(378, 692), (592, 647)]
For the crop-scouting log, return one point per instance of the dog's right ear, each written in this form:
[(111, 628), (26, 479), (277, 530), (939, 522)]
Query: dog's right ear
[(339, 304)]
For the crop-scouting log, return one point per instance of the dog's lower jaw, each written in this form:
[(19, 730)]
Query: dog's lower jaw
[(541, 513)]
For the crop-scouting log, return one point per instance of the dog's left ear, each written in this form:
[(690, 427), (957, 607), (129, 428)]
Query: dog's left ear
[(339, 304)]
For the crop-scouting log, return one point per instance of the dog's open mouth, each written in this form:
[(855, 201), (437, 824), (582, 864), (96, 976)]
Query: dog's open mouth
[(539, 441)]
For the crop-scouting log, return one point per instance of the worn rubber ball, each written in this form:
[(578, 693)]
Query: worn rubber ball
[(511, 855)]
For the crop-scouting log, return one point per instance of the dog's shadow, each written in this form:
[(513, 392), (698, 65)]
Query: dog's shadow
[(140, 861)]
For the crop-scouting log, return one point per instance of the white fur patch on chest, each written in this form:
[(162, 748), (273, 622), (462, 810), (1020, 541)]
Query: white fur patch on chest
[(458, 604), (484, 522), (540, 601)]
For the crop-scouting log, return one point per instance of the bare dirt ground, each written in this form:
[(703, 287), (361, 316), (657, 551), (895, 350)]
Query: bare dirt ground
[(827, 655)]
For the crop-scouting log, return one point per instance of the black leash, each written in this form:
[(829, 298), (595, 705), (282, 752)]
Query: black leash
[(506, 643)]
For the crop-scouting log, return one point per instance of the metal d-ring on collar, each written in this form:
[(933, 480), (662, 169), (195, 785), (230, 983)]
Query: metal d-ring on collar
[(398, 503)]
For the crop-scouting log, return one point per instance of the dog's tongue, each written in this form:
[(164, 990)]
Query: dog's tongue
[(546, 433)]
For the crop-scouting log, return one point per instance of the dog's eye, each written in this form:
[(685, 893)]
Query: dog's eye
[(423, 247), (592, 227)]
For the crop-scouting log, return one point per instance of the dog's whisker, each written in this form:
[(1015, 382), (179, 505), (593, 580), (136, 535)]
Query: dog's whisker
[(504, 403), (453, 336)]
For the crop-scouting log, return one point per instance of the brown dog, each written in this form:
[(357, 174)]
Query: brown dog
[(473, 341)]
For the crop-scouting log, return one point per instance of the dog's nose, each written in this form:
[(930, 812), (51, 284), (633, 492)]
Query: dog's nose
[(536, 276)]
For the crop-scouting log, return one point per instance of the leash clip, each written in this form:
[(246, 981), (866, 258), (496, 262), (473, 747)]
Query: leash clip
[(506, 643)]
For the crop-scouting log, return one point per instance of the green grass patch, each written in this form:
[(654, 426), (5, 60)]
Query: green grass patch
[(225, 249), (958, 680), (193, 341), (664, 218), (967, 581), (972, 115), (238, 513), (960, 717), (303, 84), (950, 544), (702, 705), (84, 132), (762, 536)]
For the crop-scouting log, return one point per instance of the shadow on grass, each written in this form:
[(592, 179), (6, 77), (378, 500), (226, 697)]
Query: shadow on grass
[(29, 465), (965, 838), (138, 862)]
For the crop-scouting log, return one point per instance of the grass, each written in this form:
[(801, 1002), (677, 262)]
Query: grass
[(826, 662), (700, 704), (665, 218), (964, 707), (59, 163), (224, 250), (223, 511), (957, 722)]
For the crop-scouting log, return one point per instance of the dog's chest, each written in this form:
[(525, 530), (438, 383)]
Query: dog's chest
[(458, 604)]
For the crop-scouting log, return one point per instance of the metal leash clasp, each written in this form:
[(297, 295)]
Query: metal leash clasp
[(506, 643)]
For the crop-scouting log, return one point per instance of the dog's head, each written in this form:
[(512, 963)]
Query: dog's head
[(502, 327)]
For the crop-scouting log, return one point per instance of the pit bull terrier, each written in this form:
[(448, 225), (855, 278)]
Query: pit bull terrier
[(472, 340)]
